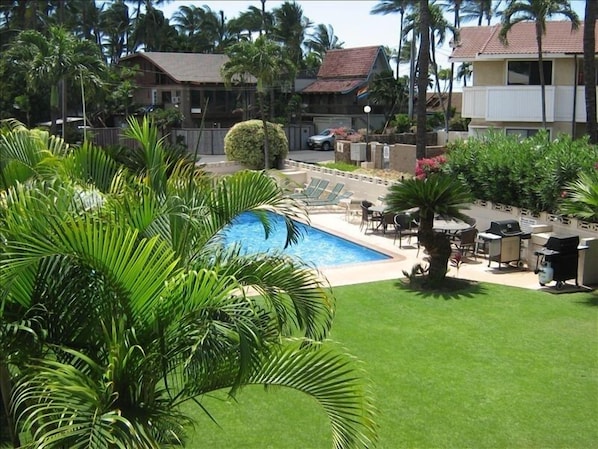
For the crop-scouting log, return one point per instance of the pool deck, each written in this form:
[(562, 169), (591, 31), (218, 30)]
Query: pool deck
[(406, 257)]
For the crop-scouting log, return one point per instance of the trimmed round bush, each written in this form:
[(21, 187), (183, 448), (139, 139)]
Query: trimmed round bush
[(244, 143)]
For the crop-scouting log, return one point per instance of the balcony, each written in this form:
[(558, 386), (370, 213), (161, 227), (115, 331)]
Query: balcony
[(523, 103)]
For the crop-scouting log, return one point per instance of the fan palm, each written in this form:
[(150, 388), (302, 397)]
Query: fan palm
[(136, 307), (438, 194)]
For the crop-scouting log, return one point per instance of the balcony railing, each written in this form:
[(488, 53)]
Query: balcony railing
[(523, 103)]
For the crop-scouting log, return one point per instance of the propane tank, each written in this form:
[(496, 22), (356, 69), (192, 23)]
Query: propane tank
[(545, 273)]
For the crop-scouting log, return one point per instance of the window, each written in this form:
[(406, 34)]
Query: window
[(527, 73)]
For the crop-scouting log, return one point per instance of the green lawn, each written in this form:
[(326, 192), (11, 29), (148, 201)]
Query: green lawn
[(492, 367)]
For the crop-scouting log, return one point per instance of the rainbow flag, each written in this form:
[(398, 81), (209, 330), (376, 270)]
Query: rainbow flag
[(362, 92)]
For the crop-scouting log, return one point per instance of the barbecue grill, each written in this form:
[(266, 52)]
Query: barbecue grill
[(557, 260), (503, 241)]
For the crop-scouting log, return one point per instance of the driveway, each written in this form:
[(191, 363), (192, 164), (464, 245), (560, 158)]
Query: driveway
[(308, 156)]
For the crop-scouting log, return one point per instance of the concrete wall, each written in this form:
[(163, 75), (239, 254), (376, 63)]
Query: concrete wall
[(401, 156)]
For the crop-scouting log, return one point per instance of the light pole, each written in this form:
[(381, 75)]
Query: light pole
[(367, 109)]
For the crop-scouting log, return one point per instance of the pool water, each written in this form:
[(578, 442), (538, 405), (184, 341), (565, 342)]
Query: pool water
[(315, 247)]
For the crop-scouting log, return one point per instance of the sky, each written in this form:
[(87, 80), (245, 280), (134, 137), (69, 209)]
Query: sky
[(352, 22), (351, 19)]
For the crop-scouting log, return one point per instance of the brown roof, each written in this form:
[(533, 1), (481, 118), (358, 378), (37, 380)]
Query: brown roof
[(480, 42), (345, 69), (187, 67), (349, 62), (331, 86)]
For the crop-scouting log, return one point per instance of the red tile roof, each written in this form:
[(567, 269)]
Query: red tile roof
[(478, 42), (333, 86), (349, 62), (345, 70)]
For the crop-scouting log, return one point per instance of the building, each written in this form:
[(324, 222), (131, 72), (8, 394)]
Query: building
[(506, 91), (337, 96), (191, 82)]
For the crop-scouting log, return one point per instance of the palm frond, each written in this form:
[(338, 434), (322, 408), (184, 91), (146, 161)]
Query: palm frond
[(333, 379)]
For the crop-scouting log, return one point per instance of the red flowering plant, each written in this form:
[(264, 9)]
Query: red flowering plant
[(347, 134), (425, 167)]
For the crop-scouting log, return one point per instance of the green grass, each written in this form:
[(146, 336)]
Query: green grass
[(342, 166), (489, 367)]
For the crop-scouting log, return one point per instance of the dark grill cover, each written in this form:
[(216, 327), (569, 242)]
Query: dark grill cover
[(563, 244), (505, 228)]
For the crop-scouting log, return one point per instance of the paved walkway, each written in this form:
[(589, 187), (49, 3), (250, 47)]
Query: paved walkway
[(404, 258)]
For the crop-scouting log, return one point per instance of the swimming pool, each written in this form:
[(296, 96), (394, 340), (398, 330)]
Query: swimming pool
[(318, 248)]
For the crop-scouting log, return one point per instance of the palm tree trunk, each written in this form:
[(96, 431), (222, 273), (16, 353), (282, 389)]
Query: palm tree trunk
[(400, 43), (265, 124), (440, 97), (541, 69), (412, 75), (438, 248), (589, 68), (449, 105), (422, 78)]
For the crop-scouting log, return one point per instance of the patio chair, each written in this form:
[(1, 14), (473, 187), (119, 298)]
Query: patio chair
[(368, 219), (332, 196), (406, 227), (466, 240), (313, 193)]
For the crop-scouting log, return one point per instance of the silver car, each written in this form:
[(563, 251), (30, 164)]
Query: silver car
[(325, 140)]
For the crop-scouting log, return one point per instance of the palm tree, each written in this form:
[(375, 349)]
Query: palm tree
[(250, 22), (589, 67), (385, 7), (438, 194), (265, 61), (389, 92), (455, 7), (438, 27), (290, 26), (122, 302), (464, 72), (116, 26), (537, 11), (321, 40), (480, 10), (52, 60)]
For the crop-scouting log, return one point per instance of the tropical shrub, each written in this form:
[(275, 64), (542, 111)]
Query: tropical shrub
[(402, 123), (580, 198), (529, 173), (427, 166), (244, 143), (459, 124)]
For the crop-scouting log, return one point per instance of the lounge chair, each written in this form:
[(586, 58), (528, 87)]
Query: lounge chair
[(334, 201), (312, 193), (332, 196), (313, 183)]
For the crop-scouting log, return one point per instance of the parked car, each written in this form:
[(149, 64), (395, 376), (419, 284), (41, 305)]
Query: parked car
[(326, 139)]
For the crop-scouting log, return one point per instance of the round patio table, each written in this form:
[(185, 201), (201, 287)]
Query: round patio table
[(450, 225)]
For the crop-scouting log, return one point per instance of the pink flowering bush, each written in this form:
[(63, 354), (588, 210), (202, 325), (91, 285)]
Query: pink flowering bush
[(427, 166), (347, 134)]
